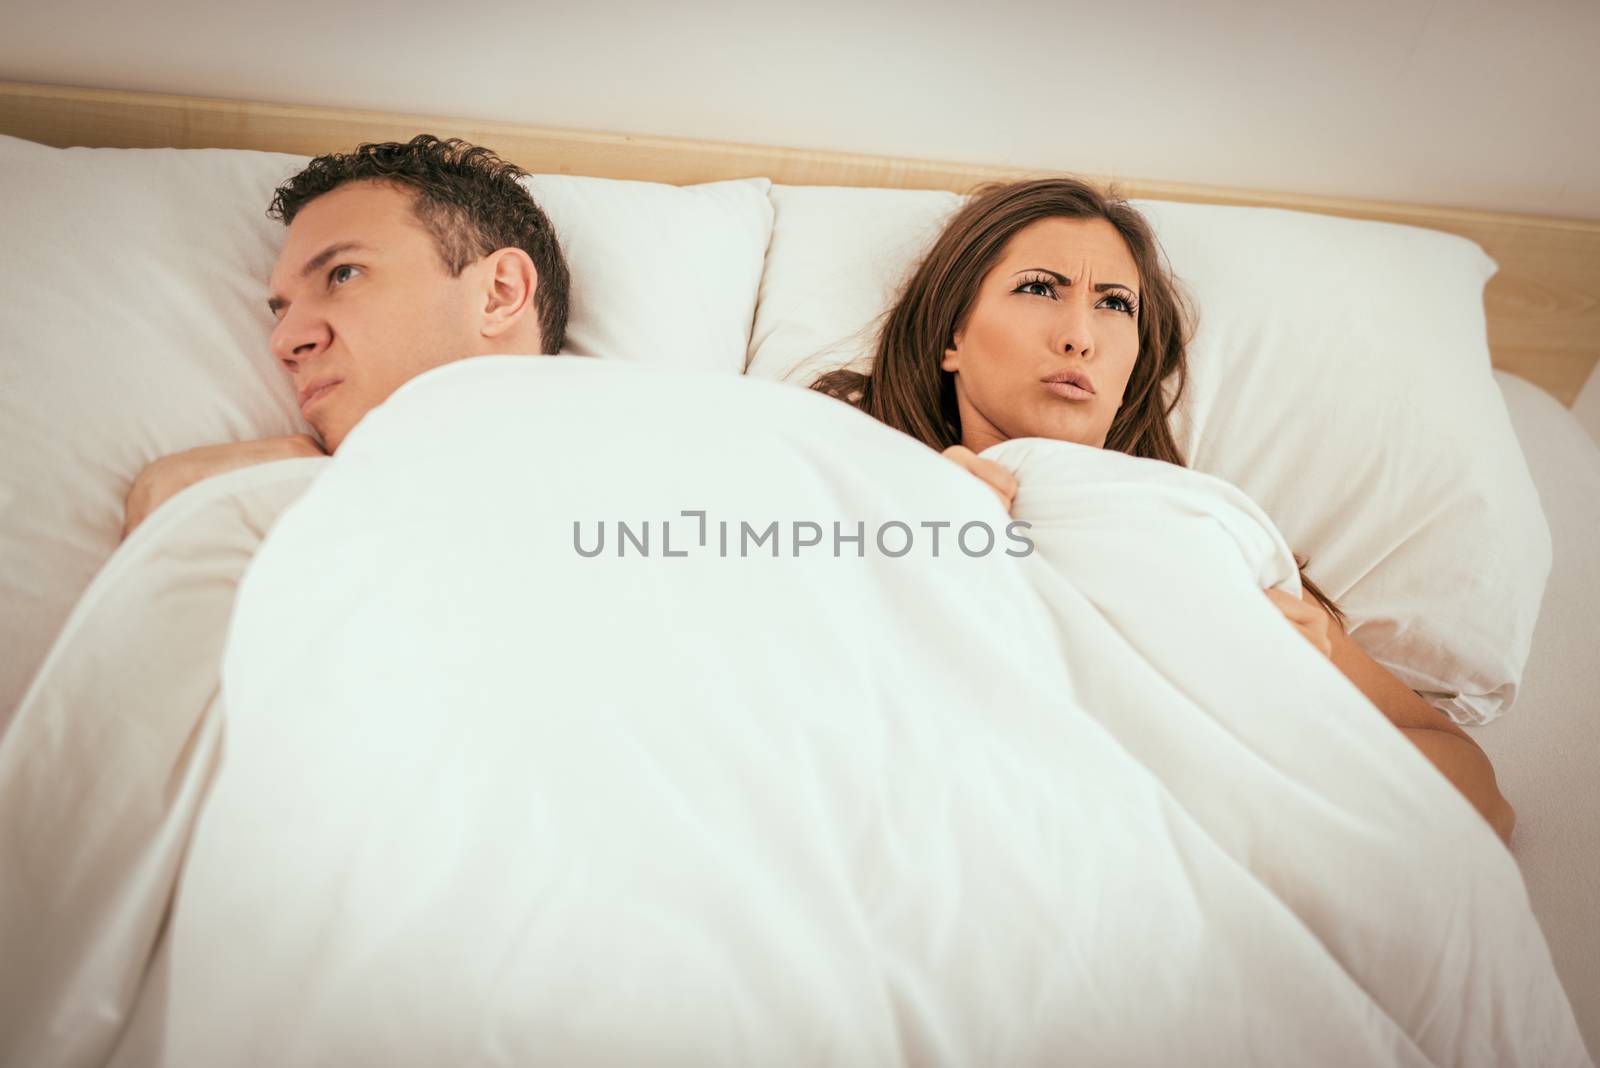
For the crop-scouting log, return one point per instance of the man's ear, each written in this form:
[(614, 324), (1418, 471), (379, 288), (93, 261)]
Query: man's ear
[(510, 281)]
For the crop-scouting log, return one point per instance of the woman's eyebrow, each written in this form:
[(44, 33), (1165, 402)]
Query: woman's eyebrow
[(1099, 287)]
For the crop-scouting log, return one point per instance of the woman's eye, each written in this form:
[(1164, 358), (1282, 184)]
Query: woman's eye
[(1123, 304), (1038, 288), (335, 274)]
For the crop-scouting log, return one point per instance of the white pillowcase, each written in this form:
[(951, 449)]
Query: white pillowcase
[(134, 325), (1339, 375), (660, 274), (837, 258)]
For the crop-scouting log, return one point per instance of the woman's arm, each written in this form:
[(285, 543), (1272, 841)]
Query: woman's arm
[(1449, 747)]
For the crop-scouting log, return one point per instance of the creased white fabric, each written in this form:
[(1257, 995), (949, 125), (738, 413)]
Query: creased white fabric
[(485, 800), (106, 765)]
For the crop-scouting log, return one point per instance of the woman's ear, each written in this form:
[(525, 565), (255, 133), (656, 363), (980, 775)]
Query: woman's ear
[(952, 355)]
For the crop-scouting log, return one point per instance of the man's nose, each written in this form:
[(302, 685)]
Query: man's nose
[(298, 337)]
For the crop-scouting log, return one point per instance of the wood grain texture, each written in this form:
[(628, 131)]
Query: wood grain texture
[(1543, 306)]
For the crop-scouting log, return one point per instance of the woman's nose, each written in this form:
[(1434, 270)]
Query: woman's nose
[(1074, 332)]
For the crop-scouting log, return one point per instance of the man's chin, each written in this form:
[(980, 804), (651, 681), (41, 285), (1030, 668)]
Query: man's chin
[(329, 435)]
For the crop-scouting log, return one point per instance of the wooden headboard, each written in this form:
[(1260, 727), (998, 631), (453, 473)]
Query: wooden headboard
[(1543, 306)]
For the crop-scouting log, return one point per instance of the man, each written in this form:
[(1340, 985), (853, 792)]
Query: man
[(399, 258)]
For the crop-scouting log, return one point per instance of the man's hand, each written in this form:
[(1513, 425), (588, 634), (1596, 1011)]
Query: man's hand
[(1308, 618), (170, 474), (1003, 482)]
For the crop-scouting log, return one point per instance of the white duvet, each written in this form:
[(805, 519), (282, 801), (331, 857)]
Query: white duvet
[(484, 799)]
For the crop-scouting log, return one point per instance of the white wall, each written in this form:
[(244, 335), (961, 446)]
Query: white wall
[(1464, 102)]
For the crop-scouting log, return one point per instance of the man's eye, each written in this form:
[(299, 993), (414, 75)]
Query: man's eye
[(334, 275)]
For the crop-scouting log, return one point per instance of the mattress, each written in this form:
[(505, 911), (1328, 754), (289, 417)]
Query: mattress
[(1543, 750)]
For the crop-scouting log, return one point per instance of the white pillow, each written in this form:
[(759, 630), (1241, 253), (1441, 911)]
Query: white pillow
[(837, 258), (660, 274), (134, 324), (1340, 375)]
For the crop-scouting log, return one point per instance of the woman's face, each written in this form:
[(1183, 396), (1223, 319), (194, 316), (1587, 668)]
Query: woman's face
[(1060, 305)]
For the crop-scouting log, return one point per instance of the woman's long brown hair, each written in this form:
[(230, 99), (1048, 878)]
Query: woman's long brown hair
[(908, 389)]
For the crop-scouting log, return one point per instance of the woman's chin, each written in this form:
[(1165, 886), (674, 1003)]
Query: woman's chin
[(1073, 429)]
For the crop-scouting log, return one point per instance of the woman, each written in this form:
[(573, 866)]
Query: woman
[(1044, 310)]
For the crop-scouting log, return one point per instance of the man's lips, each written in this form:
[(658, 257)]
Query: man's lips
[(1071, 384), (309, 395)]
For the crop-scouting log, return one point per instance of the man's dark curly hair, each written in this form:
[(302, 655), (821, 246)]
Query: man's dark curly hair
[(468, 198)]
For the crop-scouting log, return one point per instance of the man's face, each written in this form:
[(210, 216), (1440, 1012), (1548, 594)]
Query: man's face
[(364, 304)]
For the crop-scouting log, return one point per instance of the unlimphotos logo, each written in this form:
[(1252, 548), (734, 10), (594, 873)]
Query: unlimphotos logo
[(743, 539)]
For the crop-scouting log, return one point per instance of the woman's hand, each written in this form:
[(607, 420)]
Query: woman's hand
[(170, 474), (997, 478), (1308, 617)]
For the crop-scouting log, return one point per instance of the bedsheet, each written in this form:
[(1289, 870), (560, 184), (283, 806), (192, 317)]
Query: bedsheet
[(482, 796), (107, 762)]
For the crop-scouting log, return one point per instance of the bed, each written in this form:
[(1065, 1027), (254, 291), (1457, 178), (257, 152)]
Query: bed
[(1558, 811), (784, 258)]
